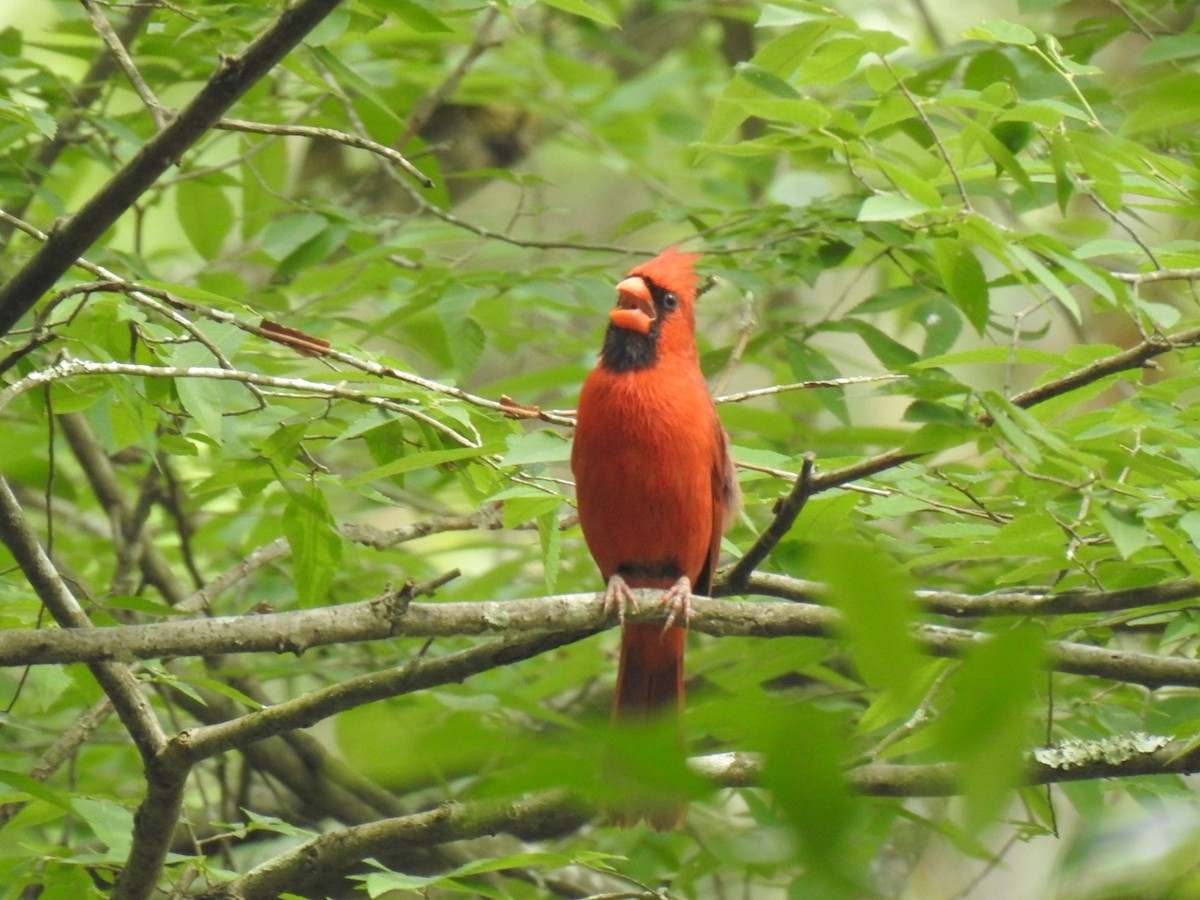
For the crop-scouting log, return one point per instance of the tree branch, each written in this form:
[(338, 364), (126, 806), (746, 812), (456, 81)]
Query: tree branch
[(564, 618), (734, 580), (419, 674), (234, 76), (1028, 602)]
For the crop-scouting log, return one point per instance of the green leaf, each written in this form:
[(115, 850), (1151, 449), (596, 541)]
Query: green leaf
[(813, 797), (417, 17), (834, 61), (886, 349), (1178, 546), (35, 789), (423, 460), (347, 76), (1001, 31), (541, 446), (767, 82), (584, 9), (205, 214), (1126, 528), (779, 57), (875, 599), (889, 208), (551, 539), (962, 276), (286, 234), (1004, 416), (1168, 102), (987, 724), (1170, 47), (1047, 279), (111, 822), (315, 542), (809, 364)]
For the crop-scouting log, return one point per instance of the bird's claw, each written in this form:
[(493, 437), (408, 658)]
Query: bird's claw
[(618, 598), (678, 601)]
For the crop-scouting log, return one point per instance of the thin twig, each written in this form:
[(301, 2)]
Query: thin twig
[(117, 49), (329, 134), (808, 385), (74, 368)]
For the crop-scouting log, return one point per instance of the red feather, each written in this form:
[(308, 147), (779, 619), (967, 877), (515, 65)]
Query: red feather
[(652, 471)]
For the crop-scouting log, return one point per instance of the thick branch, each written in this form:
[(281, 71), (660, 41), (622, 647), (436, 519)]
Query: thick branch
[(569, 617), (234, 76)]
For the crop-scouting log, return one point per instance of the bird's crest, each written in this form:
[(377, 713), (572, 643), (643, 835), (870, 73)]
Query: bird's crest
[(671, 270)]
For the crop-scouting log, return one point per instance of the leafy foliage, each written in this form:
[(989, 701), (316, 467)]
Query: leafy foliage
[(286, 342)]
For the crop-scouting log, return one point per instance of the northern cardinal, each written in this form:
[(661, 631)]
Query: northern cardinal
[(653, 477)]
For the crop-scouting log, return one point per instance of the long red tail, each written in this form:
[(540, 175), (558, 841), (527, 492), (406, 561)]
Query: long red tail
[(650, 675), (650, 682)]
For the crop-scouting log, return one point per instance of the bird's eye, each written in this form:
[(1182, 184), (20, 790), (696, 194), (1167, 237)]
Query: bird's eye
[(670, 301)]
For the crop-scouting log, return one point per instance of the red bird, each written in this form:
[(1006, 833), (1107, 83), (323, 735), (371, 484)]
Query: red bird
[(653, 476)]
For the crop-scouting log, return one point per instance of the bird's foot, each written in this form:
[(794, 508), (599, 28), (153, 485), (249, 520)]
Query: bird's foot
[(618, 598), (678, 601)]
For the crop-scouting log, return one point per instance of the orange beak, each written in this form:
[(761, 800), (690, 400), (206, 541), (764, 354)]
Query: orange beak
[(635, 306)]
